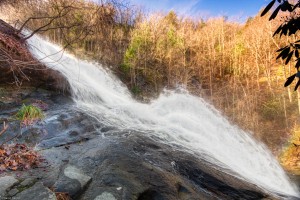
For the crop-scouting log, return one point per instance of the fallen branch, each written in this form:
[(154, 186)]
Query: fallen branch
[(5, 127)]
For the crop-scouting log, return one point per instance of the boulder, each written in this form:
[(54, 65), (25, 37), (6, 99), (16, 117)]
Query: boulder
[(72, 181)]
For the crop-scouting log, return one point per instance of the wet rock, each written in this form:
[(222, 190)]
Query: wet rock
[(70, 186), (73, 133), (214, 185), (105, 196), (150, 195), (28, 182), (5, 183), (74, 173), (108, 128), (13, 192), (146, 169), (36, 192), (68, 127), (72, 180), (60, 140)]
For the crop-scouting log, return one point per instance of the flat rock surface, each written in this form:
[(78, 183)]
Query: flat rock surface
[(36, 192), (75, 173), (105, 196), (5, 183)]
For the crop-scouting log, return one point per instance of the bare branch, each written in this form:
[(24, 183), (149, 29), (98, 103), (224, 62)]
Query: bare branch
[(5, 127)]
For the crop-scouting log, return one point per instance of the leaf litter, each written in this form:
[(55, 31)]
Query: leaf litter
[(20, 157)]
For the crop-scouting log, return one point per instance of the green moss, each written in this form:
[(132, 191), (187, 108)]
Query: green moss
[(125, 67), (136, 90), (25, 187)]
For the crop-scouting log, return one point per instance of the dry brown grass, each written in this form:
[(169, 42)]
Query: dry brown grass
[(62, 196)]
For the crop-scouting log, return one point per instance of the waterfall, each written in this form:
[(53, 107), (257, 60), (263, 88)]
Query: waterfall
[(175, 117)]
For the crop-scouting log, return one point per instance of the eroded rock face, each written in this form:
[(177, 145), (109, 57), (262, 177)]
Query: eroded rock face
[(91, 160)]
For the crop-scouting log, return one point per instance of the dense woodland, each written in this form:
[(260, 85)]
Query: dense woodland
[(232, 65)]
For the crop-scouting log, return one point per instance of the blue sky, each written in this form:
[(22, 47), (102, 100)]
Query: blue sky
[(234, 9)]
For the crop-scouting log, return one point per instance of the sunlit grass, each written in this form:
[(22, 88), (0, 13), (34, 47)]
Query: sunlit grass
[(29, 114)]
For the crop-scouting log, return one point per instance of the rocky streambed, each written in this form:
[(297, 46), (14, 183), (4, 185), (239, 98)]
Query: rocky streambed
[(92, 161)]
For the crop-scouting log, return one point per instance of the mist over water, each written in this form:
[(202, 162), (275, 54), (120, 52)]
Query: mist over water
[(178, 118)]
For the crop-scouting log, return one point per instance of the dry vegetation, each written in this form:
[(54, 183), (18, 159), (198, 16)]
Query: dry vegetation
[(231, 64), (18, 157), (290, 156)]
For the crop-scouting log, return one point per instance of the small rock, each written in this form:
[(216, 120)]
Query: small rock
[(74, 173), (27, 182), (72, 181), (119, 188), (67, 185), (106, 129), (73, 133), (173, 164), (13, 192), (105, 196), (36, 192), (5, 183)]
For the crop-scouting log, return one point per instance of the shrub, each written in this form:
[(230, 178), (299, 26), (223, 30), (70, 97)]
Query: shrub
[(272, 109), (29, 114), (136, 90), (290, 155)]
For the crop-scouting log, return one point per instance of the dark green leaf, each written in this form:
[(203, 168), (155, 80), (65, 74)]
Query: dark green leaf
[(269, 6), (297, 53), (297, 85), (273, 16), (285, 6), (289, 57), (277, 31), (297, 64), (289, 80), (284, 53), (282, 49), (284, 29)]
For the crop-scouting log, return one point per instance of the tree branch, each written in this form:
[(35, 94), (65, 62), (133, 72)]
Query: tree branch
[(5, 127)]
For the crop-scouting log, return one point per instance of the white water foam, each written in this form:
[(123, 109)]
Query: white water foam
[(180, 118)]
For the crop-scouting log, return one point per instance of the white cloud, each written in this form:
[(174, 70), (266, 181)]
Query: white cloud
[(184, 7)]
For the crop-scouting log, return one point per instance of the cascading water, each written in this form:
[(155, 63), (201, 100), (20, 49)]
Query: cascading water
[(176, 117)]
